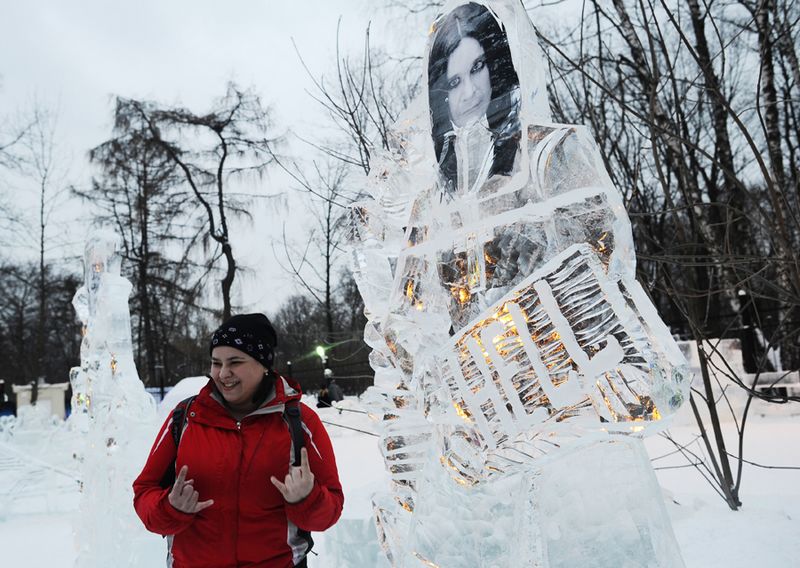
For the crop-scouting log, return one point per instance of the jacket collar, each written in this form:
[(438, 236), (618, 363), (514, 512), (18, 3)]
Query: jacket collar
[(284, 390)]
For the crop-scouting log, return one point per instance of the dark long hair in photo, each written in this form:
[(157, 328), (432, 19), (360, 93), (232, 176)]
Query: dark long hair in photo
[(475, 21)]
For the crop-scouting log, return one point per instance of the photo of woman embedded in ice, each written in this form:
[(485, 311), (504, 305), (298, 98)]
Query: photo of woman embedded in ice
[(512, 346), (473, 91)]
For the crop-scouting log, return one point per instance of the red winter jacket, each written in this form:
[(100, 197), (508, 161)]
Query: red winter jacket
[(249, 524)]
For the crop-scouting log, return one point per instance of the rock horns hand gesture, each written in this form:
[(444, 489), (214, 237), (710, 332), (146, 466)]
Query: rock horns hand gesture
[(184, 497), (299, 481)]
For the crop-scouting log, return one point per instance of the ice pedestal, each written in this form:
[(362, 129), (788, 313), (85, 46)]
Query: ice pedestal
[(352, 542), (602, 506), (115, 415), (596, 505), (491, 526)]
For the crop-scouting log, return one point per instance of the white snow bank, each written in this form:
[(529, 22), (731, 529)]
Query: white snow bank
[(765, 532)]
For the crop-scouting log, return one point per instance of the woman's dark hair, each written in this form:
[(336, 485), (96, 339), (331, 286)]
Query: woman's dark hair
[(475, 21)]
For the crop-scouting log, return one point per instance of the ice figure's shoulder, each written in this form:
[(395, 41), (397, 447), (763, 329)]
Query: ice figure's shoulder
[(562, 158), (554, 146), (405, 163)]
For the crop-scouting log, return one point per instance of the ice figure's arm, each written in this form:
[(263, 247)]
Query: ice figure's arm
[(150, 499), (323, 506), (568, 171)]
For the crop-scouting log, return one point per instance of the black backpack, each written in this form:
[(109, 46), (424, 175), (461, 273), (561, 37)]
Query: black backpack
[(291, 415)]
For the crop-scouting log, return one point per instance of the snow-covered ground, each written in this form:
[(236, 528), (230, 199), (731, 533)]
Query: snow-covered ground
[(36, 528)]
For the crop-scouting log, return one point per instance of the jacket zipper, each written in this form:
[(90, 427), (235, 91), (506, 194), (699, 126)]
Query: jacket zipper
[(238, 485)]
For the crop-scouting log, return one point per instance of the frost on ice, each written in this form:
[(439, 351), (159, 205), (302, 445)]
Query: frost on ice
[(517, 360)]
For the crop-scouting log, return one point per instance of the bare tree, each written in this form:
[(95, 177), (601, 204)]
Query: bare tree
[(330, 313), (12, 138), (138, 192), (314, 263), (363, 99), (700, 163), (38, 168), (232, 142), (19, 325), (43, 159)]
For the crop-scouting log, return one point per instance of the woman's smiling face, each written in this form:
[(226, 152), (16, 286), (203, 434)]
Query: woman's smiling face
[(236, 375), (468, 84)]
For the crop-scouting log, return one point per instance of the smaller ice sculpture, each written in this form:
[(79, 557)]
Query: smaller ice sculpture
[(517, 360), (113, 410)]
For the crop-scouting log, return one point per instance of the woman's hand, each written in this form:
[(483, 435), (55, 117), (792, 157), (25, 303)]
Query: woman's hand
[(299, 481), (184, 497)]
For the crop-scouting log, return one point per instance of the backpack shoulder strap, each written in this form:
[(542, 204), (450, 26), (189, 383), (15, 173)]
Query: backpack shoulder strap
[(291, 414), (293, 418), (179, 421)]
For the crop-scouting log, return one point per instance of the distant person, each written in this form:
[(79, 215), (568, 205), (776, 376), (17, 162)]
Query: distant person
[(323, 397), (235, 500), (5, 405), (335, 391)]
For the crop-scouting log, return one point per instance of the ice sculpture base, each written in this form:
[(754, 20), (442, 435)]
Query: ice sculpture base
[(353, 542), (602, 506), (596, 504), (458, 526)]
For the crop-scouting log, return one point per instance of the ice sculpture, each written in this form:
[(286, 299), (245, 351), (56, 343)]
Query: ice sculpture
[(115, 413), (517, 360)]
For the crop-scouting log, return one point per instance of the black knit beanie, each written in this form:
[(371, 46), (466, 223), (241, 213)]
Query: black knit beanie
[(252, 334)]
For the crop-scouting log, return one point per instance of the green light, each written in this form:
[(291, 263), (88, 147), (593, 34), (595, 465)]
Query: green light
[(321, 351)]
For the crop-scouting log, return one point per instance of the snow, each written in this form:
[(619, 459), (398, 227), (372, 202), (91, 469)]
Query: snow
[(765, 532)]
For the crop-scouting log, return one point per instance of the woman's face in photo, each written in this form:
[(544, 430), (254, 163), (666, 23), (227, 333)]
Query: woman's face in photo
[(468, 84)]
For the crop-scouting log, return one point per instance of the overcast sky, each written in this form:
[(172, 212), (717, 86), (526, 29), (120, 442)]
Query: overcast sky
[(81, 52), (76, 55)]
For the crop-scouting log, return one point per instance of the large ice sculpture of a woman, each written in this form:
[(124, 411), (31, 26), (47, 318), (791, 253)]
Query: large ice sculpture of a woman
[(517, 360)]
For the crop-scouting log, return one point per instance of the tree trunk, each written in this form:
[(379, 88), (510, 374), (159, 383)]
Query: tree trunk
[(144, 279), (328, 262), (768, 91), (227, 281), (42, 289)]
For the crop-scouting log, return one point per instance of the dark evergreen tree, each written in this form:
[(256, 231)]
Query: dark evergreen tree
[(137, 191), (210, 152)]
